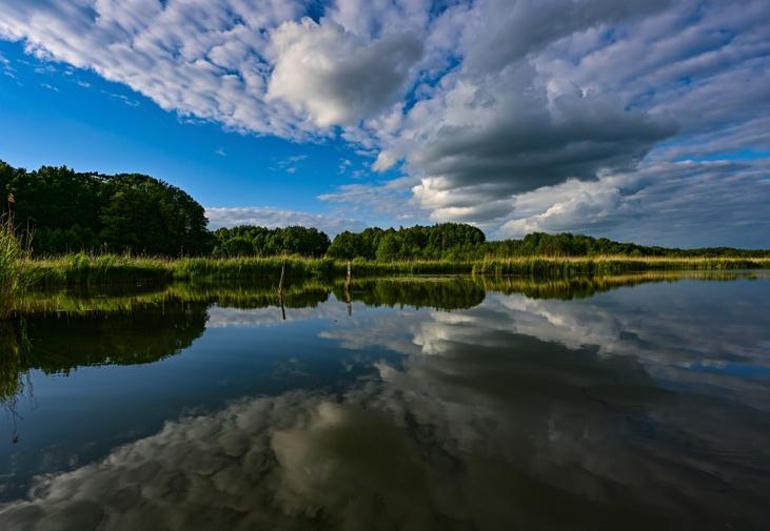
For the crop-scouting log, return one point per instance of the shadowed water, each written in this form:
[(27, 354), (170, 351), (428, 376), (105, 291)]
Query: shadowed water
[(631, 402)]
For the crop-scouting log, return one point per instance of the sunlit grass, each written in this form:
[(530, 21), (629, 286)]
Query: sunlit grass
[(564, 266), (14, 275), (83, 269)]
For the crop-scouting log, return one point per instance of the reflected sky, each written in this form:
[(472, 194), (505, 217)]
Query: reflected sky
[(637, 407)]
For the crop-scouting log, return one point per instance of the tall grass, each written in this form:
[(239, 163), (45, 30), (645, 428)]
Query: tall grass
[(14, 276), (83, 269), (555, 267)]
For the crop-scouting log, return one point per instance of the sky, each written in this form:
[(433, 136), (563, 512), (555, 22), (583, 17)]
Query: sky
[(642, 120)]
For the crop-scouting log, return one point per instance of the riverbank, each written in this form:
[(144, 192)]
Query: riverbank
[(112, 269)]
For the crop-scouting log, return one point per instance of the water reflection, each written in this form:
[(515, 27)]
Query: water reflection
[(84, 327), (630, 410), (61, 342)]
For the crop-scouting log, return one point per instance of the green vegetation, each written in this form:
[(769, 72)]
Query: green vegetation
[(564, 266), (14, 277), (447, 241), (261, 241), (566, 244), (92, 229), (128, 325), (70, 212), (110, 269), (439, 292)]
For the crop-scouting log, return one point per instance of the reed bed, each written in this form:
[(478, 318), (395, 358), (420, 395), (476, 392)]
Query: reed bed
[(600, 265), (84, 269), (14, 277)]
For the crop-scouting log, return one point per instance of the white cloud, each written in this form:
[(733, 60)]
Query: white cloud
[(202, 59), (702, 203), (479, 103), (391, 199), (336, 76)]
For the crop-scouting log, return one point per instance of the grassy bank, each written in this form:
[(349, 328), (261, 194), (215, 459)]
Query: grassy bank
[(602, 265), (111, 269), (13, 273)]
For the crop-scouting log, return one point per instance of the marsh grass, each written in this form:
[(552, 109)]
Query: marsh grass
[(560, 267), (83, 269), (14, 275)]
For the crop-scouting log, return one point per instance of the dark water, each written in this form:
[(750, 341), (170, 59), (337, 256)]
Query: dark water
[(635, 402)]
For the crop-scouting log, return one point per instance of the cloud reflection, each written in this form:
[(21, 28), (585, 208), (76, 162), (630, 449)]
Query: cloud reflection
[(514, 414)]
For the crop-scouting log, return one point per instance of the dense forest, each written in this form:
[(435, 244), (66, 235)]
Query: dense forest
[(66, 211), (261, 241)]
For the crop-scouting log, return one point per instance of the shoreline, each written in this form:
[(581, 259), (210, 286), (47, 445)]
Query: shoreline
[(81, 269)]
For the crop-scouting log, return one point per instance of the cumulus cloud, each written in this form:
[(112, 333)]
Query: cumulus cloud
[(475, 153), (201, 59), (335, 76), (478, 104), (703, 203), (276, 217)]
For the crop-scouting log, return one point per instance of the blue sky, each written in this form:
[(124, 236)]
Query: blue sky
[(54, 114), (641, 120)]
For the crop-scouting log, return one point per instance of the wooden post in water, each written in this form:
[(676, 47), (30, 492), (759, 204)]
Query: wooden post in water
[(347, 289), (280, 291)]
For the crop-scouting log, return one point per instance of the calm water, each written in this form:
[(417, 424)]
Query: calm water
[(635, 402)]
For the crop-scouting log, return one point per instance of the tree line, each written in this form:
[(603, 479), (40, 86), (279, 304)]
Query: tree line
[(66, 211)]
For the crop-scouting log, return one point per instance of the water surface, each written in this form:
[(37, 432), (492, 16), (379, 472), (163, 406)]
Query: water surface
[(614, 403)]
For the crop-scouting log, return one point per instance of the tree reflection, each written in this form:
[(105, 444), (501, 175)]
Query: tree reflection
[(58, 343), (59, 331), (439, 293)]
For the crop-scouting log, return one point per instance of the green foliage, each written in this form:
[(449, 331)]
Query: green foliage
[(444, 241), (261, 241), (566, 244), (14, 278), (83, 269), (70, 212), (440, 293), (148, 216), (348, 245)]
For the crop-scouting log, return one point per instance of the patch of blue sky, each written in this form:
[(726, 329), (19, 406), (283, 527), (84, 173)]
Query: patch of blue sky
[(55, 114), (738, 155)]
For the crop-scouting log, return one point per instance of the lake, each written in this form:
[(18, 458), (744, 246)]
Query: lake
[(631, 402)]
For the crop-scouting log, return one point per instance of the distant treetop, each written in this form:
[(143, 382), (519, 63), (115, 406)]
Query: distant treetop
[(67, 211)]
